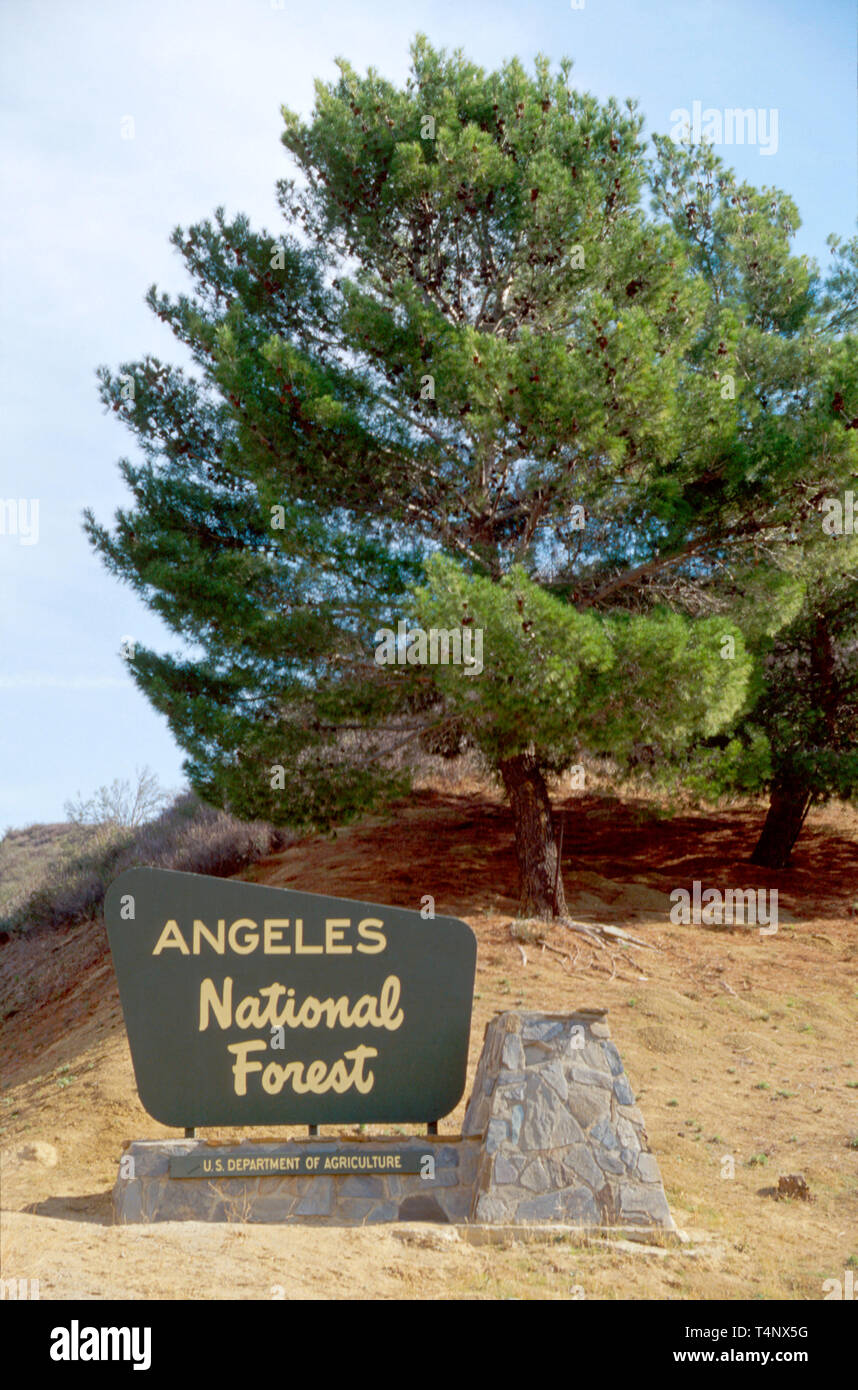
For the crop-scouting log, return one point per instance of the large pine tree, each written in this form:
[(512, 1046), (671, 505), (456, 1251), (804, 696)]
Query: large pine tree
[(478, 384)]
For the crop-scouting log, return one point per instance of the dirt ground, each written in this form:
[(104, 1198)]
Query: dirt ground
[(741, 1048)]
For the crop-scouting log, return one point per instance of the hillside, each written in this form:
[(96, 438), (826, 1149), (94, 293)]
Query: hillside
[(27, 854), (738, 1045)]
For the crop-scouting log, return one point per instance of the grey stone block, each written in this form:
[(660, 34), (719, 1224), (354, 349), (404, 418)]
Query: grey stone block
[(456, 1202), (515, 1122), (541, 1030), (507, 1169), (354, 1210), (554, 1130), (512, 1053), (551, 1074), (579, 1205), (382, 1211), (509, 1079), (604, 1134), (623, 1091), (588, 1076), (645, 1203), (422, 1208), (361, 1187), (648, 1167), (318, 1201), (497, 1132), (627, 1134), (632, 1114), (592, 1056), (513, 1093), (270, 1210), (537, 1176), (444, 1177), (544, 1208), (448, 1156), (579, 1164), (610, 1162), (491, 1208), (587, 1106)]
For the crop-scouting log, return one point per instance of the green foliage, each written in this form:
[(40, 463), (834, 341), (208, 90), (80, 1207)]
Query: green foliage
[(558, 680), (474, 326)]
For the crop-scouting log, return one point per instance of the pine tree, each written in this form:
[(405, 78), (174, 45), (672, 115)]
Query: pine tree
[(809, 712), (792, 337), (479, 386)]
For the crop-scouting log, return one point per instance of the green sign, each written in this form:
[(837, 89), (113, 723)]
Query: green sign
[(248, 1005), (337, 1162)]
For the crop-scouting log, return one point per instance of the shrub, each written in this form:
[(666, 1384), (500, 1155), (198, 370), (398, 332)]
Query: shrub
[(188, 836)]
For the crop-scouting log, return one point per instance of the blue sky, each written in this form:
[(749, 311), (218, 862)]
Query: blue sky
[(85, 227)]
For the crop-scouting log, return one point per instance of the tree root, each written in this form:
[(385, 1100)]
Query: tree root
[(600, 932), (600, 936)]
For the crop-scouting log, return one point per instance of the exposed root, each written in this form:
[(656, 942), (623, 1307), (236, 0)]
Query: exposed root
[(601, 932), (599, 936)]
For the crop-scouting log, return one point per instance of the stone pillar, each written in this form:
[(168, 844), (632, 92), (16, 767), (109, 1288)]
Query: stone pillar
[(563, 1139)]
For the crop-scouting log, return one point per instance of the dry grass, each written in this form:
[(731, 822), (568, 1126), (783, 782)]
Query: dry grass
[(55, 875)]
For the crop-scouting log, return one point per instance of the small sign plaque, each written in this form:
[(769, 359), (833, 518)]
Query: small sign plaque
[(250, 1005), (327, 1163)]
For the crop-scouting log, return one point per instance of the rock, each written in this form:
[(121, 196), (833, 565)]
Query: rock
[(496, 1134), (37, 1152), (512, 1053), (623, 1091), (441, 1239), (648, 1167), (507, 1169), (316, 1202), (419, 1208), (578, 1165)]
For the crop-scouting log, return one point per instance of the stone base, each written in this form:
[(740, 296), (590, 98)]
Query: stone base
[(562, 1137), (551, 1134), (145, 1190)]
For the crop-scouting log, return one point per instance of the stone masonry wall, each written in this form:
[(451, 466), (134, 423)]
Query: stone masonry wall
[(144, 1190), (563, 1139)]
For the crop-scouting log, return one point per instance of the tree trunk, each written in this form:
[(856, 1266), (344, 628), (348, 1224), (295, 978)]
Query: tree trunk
[(787, 809), (535, 844)]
